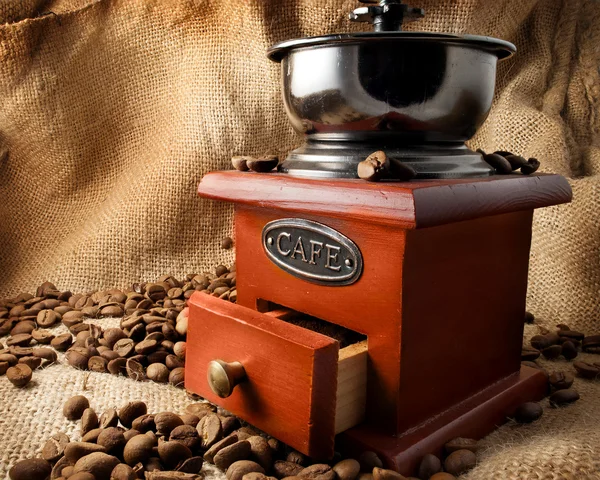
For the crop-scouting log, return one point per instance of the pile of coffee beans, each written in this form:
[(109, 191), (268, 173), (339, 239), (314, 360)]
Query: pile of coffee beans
[(256, 164), (505, 163), (565, 343), (131, 443), (150, 343)]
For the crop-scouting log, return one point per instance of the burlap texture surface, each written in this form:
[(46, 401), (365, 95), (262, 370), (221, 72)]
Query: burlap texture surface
[(111, 111)]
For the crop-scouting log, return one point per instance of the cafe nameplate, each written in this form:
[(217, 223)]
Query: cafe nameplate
[(312, 251)]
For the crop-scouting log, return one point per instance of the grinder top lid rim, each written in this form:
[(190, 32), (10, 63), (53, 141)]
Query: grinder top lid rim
[(502, 48)]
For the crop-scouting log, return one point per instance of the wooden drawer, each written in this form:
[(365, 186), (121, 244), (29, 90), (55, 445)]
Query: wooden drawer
[(300, 388)]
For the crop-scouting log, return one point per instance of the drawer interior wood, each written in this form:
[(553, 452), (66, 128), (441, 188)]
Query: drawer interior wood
[(351, 394)]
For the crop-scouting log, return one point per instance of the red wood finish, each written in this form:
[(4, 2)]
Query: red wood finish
[(476, 417), (415, 204), (290, 389)]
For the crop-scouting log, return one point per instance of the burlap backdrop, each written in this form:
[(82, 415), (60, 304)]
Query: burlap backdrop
[(111, 111)]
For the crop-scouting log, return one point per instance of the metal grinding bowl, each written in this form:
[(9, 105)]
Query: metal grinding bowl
[(417, 96)]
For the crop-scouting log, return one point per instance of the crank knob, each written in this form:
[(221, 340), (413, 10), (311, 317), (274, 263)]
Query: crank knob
[(223, 377)]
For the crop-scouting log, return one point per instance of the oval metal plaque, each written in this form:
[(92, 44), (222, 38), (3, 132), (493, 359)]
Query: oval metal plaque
[(312, 251)]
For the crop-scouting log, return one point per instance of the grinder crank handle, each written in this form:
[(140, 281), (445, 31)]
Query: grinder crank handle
[(386, 15)]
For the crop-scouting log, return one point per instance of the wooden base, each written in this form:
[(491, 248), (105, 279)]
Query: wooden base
[(475, 417)]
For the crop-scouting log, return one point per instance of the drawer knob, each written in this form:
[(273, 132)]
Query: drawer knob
[(223, 376)]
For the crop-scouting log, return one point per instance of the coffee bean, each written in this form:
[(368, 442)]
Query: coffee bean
[(500, 164), (347, 469), (369, 460), (286, 469), (76, 450), (177, 377), (166, 422), (123, 472), (262, 164), (135, 370), (9, 358), (62, 342), (229, 424), (42, 337), (375, 167), (262, 454), (4, 367), (530, 167), (443, 476), (591, 341), (92, 435), (191, 465), (62, 463), (132, 410), (89, 420), (21, 340), (32, 362), (145, 347), (113, 440), (544, 341), (561, 380), (384, 474), (99, 464), (563, 397), (238, 469), (32, 468), (19, 375), (216, 447), (187, 435), (459, 462), (158, 372), (587, 370), (528, 412), (117, 366), (75, 406), (569, 350), (226, 243), (47, 318), (171, 475), (240, 163), (129, 434), (318, 471), (572, 334), (529, 317), (232, 453), (77, 359), (20, 351), (97, 364), (138, 449), (529, 353), (429, 465), (173, 453), (554, 351), (210, 430), (124, 347), (54, 448), (25, 326), (461, 444)]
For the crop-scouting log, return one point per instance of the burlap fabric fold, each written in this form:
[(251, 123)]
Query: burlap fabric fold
[(112, 110)]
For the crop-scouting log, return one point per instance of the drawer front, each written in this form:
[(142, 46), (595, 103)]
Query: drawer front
[(291, 373)]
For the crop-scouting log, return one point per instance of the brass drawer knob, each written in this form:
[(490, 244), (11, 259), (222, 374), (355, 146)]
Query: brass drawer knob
[(223, 376)]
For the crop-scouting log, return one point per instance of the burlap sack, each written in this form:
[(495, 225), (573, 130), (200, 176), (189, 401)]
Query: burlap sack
[(111, 111)]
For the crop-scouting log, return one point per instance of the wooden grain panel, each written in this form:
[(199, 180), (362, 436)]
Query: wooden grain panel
[(414, 204), (290, 391), (351, 397)]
